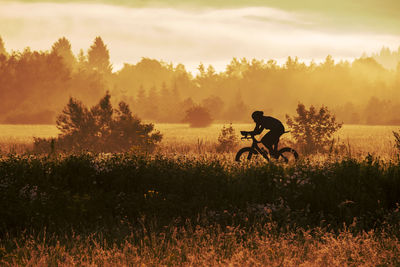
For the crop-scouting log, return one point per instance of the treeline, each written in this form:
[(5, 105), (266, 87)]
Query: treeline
[(387, 58), (36, 85)]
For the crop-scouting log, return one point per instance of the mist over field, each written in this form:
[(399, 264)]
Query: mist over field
[(194, 32)]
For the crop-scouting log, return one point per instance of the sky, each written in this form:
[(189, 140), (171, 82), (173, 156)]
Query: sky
[(211, 32)]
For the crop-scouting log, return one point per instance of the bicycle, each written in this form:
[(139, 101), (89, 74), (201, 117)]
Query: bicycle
[(286, 153)]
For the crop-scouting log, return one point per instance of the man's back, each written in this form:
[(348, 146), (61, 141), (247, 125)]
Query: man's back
[(271, 123)]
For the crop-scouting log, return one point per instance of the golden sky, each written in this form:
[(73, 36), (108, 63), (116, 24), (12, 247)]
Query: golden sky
[(211, 32)]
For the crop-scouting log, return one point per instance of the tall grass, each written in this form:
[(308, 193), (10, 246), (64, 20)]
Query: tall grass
[(208, 246), (88, 192)]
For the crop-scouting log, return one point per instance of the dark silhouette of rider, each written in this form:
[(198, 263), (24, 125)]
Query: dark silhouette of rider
[(275, 127)]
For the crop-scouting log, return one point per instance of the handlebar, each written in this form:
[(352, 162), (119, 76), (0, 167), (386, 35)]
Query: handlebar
[(247, 135), (250, 135)]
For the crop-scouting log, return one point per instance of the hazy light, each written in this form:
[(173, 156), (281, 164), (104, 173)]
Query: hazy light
[(211, 36)]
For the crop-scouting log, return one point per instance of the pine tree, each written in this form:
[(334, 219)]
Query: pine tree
[(175, 103), (2, 48), (210, 71), (329, 63), (102, 113), (99, 57), (176, 94), (140, 103), (63, 48), (152, 109), (82, 60), (164, 91), (166, 104), (202, 71)]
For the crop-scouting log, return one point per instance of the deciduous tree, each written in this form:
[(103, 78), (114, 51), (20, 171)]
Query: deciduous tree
[(198, 116), (313, 129)]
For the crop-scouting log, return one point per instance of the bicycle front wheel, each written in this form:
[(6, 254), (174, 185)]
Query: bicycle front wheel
[(288, 155), (245, 153)]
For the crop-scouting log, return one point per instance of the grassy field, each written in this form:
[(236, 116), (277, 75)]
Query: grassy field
[(191, 206), (199, 246), (359, 140)]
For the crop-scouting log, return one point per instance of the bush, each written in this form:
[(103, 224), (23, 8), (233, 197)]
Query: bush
[(313, 129), (99, 129), (198, 116), (227, 139), (94, 193)]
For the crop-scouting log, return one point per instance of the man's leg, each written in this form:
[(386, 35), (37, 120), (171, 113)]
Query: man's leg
[(268, 142), (277, 137), (275, 147)]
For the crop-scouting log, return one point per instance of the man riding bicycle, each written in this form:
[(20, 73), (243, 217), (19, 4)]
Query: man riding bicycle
[(275, 127)]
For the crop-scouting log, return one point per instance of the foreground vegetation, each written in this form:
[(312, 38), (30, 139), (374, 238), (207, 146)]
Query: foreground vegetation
[(120, 208), (210, 246), (88, 192)]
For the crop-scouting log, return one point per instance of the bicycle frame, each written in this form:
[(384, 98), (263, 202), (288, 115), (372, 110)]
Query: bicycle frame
[(256, 148)]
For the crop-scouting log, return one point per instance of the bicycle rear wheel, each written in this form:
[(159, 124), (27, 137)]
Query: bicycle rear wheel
[(288, 155), (245, 153)]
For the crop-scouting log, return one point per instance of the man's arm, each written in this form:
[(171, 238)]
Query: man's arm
[(257, 130)]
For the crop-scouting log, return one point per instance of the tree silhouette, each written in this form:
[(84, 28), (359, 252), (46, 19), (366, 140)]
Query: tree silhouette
[(2, 47), (141, 101), (101, 129), (234, 69), (63, 48), (102, 114), (152, 104), (75, 119), (198, 116), (227, 139), (328, 64), (82, 61), (166, 104), (387, 58), (99, 57), (313, 128), (36, 84), (294, 64)]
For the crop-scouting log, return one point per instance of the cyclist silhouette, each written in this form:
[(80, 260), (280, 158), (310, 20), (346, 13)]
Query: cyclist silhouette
[(275, 127)]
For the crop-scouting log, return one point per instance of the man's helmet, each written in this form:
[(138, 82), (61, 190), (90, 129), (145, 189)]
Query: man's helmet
[(257, 115)]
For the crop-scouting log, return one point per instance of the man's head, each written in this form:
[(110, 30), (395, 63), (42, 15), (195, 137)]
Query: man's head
[(257, 115)]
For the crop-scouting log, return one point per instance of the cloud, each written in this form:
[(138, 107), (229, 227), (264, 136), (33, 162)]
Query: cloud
[(186, 36)]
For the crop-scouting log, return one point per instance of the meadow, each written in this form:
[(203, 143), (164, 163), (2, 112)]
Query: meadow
[(187, 205), (355, 140)]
